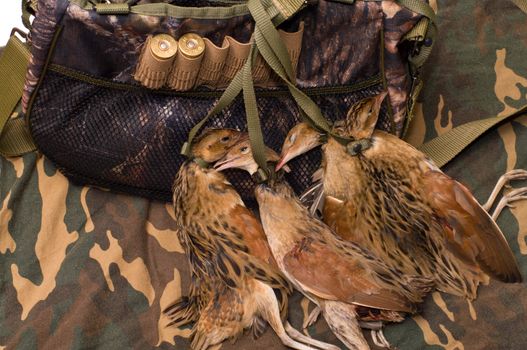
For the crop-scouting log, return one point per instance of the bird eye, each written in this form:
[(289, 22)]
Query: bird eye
[(225, 139), (244, 149)]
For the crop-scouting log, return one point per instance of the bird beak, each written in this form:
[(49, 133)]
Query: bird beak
[(283, 160), (223, 164)]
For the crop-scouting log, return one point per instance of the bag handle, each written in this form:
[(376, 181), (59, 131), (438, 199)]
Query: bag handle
[(14, 135), (447, 146)]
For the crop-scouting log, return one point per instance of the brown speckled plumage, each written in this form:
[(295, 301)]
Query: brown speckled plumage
[(235, 281), (392, 200), (342, 278), (346, 281)]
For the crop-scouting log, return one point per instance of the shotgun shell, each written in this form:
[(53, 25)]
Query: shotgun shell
[(156, 60), (191, 45)]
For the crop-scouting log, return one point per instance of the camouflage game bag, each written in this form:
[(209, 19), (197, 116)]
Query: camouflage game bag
[(113, 89)]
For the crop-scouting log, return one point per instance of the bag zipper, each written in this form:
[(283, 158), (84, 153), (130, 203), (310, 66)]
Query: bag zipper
[(276, 92)]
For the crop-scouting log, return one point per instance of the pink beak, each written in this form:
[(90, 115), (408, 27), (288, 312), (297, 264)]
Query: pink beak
[(283, 160), (224, 164)]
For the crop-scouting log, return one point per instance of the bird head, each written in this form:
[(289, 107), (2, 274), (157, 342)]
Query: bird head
[(362, 117), (240, 156), (300, 139), (213, 144)]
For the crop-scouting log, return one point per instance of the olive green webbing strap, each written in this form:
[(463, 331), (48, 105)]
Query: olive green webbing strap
[(423, 31), (270, 46), (225, 100), (275, 54), (446, 147), (16, 139), (14, 136), (29, 8), (280, 10), (423, 35), (253, 121)]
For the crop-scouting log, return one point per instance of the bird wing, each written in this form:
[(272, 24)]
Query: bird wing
[(241, 251), (340, 216), (469, 231), (327, 274), (252, 233)]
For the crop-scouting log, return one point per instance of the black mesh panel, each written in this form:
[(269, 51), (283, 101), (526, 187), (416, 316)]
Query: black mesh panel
[(129, 140)]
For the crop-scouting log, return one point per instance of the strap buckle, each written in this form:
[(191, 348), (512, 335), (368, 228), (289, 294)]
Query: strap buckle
[(20, 32)]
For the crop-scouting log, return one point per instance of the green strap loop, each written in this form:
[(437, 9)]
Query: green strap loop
[(14, 136), (112, 8), (446, 147), (420, 7), (253, 121), (225, 99), (423, 34), (266, 27), (309, 109), (427, 42), (28, 9), (236, 85)]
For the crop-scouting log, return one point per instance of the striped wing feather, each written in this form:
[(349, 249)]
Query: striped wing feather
[(469, 230)]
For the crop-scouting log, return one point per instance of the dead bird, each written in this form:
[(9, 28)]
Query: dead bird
[(388, 197), (239, 156), (347, 282), (236, 283)]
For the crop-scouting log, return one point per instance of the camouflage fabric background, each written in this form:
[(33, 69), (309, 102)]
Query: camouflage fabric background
[(86, 268)]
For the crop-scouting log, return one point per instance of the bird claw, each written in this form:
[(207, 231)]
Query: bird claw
[(311, 318), (507, 200), (307, 339), (504, 180), (380, 340)]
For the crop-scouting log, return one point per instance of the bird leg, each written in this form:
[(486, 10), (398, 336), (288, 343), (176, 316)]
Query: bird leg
[(513, 196), (296, 335), (379, 340), (342, 320), (377, 335), (271, 313), (516, 174), (312, 317)]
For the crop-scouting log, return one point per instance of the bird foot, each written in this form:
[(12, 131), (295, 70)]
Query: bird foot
[(516, 174), (311, 318), (379, 340), (508, 198), (307, 340)]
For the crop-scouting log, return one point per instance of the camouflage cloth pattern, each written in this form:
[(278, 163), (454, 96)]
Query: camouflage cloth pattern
[(86, 268)]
